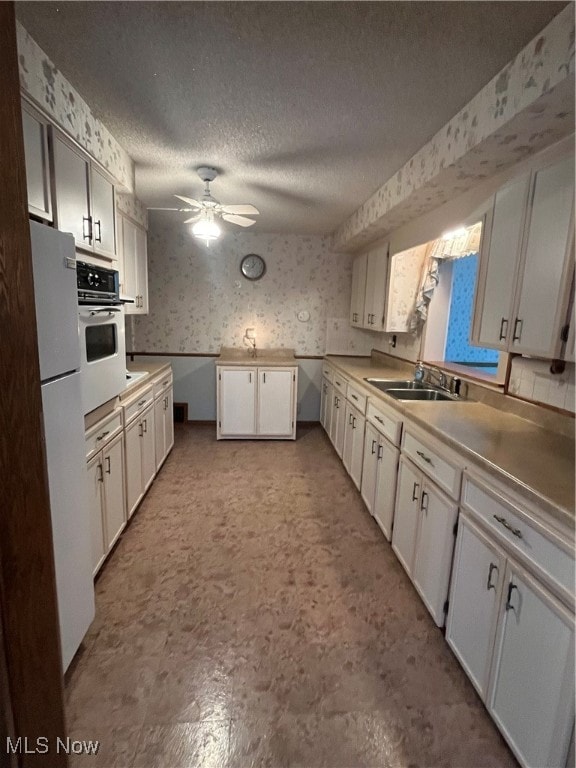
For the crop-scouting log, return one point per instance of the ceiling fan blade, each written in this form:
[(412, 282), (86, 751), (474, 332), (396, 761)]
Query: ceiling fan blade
[(233, 219), (190, 201), (242, 209), (164, 209), (194, 218)]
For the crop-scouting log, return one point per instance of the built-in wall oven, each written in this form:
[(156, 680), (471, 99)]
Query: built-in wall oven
[(102, 337)]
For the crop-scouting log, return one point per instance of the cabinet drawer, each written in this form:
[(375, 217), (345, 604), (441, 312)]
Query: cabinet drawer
[(444, 473), (340, 382), (541, 548), (162, 383), (327, 371), (388, 424), (357, 397), (102, 432), (137, 404)]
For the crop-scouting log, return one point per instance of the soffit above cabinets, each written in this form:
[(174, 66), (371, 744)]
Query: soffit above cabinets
[(306, 108)]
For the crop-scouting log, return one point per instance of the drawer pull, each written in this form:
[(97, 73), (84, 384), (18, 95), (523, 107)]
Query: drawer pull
[(141, 402), (415, 492), (515, 531), (373, 447), (353, 397), (379, 418), (424, 508), (427, 459), (489, 585), (511, 588), (103, 435)]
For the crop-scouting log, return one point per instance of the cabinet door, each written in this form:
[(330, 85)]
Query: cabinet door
[(498, 266), (169, 420), (159, 430), (71, 173), (477, 578), (324, 402), (375, 297), (128, 264), (148, 448), (133, 453), (358, 427), (103, 219), (385, 491), (340, 415), (275, 401), (94, 503), (348, 436), (329, 400), (532, 686), (370, 466), (359, 268), (406, 514), (141, 271), (434, 549), (37, 169), (114, 498), (336, 403), (544, 282), (237, 401)]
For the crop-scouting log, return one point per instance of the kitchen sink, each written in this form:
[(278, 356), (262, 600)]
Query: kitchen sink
[(384, 385), (419, 394)]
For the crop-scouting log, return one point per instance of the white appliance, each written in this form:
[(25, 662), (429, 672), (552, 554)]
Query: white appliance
[(54, 264), (102, 354)]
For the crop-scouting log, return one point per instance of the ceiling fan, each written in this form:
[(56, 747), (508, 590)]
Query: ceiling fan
[(208, 209)]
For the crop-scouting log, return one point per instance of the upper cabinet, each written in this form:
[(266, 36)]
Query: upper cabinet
[(84, 199), (406, 274), (368, 301), (133, 265), (35, 131), (526, 264)]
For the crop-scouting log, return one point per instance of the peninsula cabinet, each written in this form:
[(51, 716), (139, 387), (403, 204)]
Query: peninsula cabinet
[(511, 621), (106, 494), (256, 402), (84, 199), (526, 264), (35, 132)]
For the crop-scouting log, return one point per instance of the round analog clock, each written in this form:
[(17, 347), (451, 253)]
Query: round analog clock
[(252, 266)]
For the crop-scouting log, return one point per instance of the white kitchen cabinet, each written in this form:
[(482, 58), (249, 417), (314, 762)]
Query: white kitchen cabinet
[(477, 579), (140, 452), (164, 424), (35, 132), (406, 516), (353, 448), (84, 199), (133, 266), (326, 404), (370, 467), (257, 402), (337, 421), (385, 492), (106, 488), (526, 264), (369, 285), (406, 273), (532, 682)]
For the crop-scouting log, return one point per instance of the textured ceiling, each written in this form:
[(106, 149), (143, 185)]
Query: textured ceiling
[(306, 108)]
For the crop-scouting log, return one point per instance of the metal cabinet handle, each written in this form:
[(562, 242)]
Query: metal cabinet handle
[(489, 585), (503, 333), (141, 431), (99, 225), (103, 435), (145, 422), (87, 220), (422, 507), (517, 333), (264, 377), (373, 447), (100, 474), (415, 491), (379, 419), (350, 418), (511, 588), (353, 397), (141, 402), (165, 403), (337, 402), (515, 531), (107, 460), (353, 422), (427, 459), (380, 452), (249, 377)]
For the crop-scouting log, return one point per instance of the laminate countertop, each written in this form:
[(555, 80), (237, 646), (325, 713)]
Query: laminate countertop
[(152, 371), (242, 356), (531, 460)]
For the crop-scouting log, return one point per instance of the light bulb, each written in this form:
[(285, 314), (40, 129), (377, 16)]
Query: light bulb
[(206, 229)]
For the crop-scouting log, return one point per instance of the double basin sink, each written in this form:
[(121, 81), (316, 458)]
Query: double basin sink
[(410, 390)]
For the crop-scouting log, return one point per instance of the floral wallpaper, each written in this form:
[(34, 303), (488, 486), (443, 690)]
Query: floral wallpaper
[(56, 97), (199, 300), (130, 206), (521, 110)]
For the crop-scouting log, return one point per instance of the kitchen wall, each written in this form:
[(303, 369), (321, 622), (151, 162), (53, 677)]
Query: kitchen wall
[(532, 380), (199, 301)]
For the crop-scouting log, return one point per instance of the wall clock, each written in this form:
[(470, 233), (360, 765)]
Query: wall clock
[(252, 266)]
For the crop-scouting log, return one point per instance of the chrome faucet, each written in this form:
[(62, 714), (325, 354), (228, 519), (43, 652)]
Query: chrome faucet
[(430, 372)]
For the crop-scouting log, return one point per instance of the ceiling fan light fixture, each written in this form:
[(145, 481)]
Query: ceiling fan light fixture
[(206, 229)]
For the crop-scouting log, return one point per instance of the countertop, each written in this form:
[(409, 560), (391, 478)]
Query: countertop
[(153, 369), (531, 460), (268, 357)]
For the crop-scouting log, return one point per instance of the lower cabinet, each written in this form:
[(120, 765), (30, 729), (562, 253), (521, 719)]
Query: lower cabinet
[(163, 425), (423, 536), (337, 421), (257, 402), (353, 448), (326, 405), (140, 457), (106, 499), (516, 642), (379, 472)]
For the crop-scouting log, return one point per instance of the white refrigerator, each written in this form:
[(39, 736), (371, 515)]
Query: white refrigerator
[(56, 299)]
